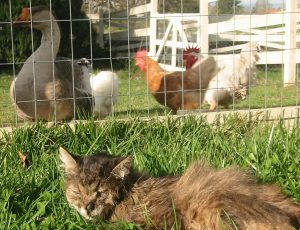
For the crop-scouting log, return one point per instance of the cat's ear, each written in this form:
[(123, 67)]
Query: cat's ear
[(122, 169), (68, 161)]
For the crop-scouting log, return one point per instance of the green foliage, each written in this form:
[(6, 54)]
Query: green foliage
[(22, 39), (178, 6), (228, 6), (262, 6)]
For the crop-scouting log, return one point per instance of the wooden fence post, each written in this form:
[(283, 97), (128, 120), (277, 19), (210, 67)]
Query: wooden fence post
[(204, 43), (290, 43), (153, 27)]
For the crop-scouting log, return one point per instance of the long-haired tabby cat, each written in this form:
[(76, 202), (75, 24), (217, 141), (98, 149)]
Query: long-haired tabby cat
[(107, 187)]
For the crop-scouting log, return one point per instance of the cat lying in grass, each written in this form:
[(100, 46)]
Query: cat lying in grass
[(107, 187)]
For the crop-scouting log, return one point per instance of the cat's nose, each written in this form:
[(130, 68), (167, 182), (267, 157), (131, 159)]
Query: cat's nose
[(90, 207)]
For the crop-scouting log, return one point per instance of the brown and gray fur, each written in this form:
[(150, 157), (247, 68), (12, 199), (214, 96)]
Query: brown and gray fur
[(107, 187)]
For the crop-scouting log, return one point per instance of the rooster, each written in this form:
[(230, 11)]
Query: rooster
[(180, 89), (233, 76)]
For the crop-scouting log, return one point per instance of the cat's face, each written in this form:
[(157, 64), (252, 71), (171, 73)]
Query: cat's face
[(93, 183)]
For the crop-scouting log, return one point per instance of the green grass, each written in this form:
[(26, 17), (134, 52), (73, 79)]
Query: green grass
[(269, 91), (7, 113), (135, 100), (33, 197)]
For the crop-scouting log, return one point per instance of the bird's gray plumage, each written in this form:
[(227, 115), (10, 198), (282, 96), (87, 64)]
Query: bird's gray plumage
[(47, 87)]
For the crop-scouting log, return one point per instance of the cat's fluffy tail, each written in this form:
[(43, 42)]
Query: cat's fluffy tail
[(230, 198)]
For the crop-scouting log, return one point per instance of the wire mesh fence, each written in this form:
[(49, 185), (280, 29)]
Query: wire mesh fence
[(254, 45)]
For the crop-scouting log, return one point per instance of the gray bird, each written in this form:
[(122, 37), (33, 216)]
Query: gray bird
[(46, 87)]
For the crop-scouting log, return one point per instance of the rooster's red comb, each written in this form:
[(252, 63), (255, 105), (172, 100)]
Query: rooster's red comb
[(141, 53), (190, 50)]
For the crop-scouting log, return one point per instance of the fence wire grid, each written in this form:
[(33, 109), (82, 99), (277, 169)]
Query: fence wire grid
[(255, 45)]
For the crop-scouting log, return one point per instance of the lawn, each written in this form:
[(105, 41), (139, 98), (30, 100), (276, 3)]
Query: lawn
[(7, 113), (136, 101), (33, 197)]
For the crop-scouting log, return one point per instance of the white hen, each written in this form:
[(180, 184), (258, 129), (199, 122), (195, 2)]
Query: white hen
[(233, 78), (104, 87)]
